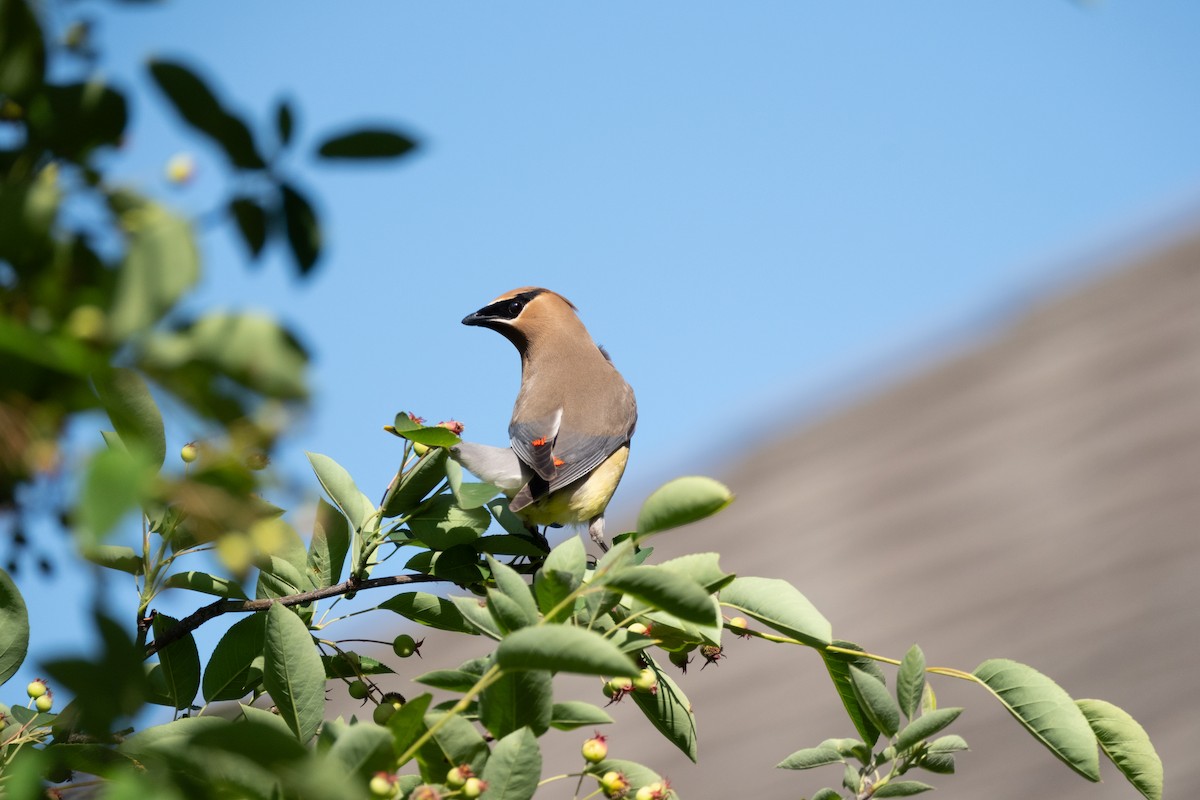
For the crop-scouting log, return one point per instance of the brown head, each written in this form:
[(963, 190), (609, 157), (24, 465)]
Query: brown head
[(529, 316)]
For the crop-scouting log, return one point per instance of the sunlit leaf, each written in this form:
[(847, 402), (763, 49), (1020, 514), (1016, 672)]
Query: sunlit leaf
[(1127, 745), (514, 768), (779, 605), (161, 264), (180, 662), (670, 711), (205, 583), (293, 673), (573, 714), (681, 501), (811, 757), (14, 628), (235, 666), (563, 648)]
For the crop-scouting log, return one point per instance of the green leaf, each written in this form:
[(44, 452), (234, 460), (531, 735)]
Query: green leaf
[(205, 583), (669, 710), (901, 789), (161, 264), (408, 723), (329, 545), (562, 648), (14, 628), (1126, 744), (353, 665), (517, 700), (366, 143), (284, 122), (277, 578), (75, 119), (950, 743), (925, 726), (410, 488), (560, 575), (811, 757), (468, 495), (303, 228), (22, 50), (477, 617), (1045, 710), (910, 681), (779, 605), (200, 108), (338, 484), (826, 794), (507, 545), (572, 714), (680, 502), (236, 664), (637, 774), (112, 556), (507, 614), (451, 680), (665, 590), (428, 609), (874, 699), (514, 768), (180, 662), (363, 750), (115, 483), (703, 568), (126, 397), (513, 585), (251, 219), (292, 672), (431, 435), (457, 742), (442, 524)]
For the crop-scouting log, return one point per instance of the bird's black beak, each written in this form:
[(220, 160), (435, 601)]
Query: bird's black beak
[(475, 318)]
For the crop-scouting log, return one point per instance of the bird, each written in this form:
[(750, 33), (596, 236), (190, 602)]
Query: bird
[(572, 420)]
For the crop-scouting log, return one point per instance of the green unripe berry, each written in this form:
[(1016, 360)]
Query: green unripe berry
[(473, 788), (738, 624), (44, 703), (646, 681), (358, 690), (457, 777), (404, 645), (639, 629), (614, 784), (36, 688), (382, 784), (617, 686), (595, 750), (391, 703), (189, 452)]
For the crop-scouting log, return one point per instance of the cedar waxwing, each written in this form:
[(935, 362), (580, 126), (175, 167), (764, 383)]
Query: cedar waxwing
[(572, 420)]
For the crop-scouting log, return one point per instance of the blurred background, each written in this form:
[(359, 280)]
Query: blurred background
[(917, 280)]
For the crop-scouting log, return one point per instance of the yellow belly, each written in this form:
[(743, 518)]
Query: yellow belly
[(582, 500)]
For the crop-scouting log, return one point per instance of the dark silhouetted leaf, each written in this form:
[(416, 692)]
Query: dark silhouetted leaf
[(251, 219), (199, 107), (366, 143), (303, 228)]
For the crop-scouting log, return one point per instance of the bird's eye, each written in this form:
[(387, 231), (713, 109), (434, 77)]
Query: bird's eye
[(514, 307)]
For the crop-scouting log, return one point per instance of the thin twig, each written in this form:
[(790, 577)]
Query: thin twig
[(213, 610)]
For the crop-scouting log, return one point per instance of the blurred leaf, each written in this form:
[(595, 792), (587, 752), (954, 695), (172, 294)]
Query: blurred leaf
[(204, 583), (457, 742), (1126, 744), (451, 680), (432, 435), (133, 412), (681, 501), (340, 487), (161, 263), (293, 673), (517, 700), (284, 122), (572, 714), (505, 545), (118, 557), (29, 209), (107, 688), (670, 711), (811, 757), (1045, 710), (363, 750), (514, 768), (115, 483), (672, 593), (251, 219), (22, 50), (235, 666), (563, 648), (874, 699), (74, 120), (180, 662), (428, 609), (14, 628), (366, 143), (251, 349), (910, 681), (303, 228), (779, 605), (703, 568), (200, 108)]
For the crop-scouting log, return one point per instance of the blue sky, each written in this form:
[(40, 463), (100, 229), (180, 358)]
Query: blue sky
[(754, 206)]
